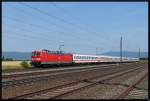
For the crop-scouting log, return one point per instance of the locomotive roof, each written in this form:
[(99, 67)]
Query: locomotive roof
[(51, 52)]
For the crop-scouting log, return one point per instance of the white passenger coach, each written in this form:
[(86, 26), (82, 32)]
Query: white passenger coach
[(80, 58)]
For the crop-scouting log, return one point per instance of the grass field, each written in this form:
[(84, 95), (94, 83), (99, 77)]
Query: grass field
[(13, 65)]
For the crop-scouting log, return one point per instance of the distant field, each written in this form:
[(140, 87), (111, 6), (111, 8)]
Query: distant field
[(13, 65), (144, 61)]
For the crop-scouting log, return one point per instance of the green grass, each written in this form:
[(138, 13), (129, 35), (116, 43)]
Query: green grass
[(9, 65)]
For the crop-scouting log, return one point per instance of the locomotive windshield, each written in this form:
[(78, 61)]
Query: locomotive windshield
[(35, 53), (53, 52)]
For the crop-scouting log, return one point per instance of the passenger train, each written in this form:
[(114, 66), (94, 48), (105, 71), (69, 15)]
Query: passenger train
[(47, 58)]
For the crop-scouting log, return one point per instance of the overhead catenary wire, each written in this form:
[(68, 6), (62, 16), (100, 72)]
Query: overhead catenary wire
[(46, 21), (51, 15), (31, 37), (10, 36), (33, 25), (67, 36), (58, 18), (85, 28), (50, 42)]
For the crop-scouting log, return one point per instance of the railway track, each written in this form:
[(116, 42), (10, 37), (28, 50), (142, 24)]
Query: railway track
[(38, 76), (44, 76), (71, 87), (131, 87), (46, 71), (50, 70)]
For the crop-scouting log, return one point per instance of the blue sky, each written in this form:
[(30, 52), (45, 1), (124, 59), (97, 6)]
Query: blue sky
[(80, 26)]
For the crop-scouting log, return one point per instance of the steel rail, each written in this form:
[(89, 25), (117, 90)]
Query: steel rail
[(35, 72), (95, 83), (130, 88), (46, 76), (41, 77), (103, 78)]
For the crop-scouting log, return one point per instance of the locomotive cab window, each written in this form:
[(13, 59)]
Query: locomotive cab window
[(35, 53)]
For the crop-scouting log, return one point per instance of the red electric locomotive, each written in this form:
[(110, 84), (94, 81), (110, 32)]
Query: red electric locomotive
[(46, 57)]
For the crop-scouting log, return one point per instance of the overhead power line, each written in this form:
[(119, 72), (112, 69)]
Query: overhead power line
[(63, 20), (81, 23), (16, 20), (47, 28), (14, 36)]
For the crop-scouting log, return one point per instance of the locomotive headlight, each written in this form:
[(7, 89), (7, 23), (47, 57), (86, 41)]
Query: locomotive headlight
[(37, 58)]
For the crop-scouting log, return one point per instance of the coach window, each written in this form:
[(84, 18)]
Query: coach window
[(76, 57), (84, 57)]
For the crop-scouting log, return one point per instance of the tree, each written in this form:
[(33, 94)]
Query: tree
[(9, 59)]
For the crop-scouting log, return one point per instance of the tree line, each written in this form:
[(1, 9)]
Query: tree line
[(7, 59)]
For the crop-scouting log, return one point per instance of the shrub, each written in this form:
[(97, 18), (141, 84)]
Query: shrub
[(9, 59), (24, 64)]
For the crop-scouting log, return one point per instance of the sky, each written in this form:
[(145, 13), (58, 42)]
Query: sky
[(81, 27)]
